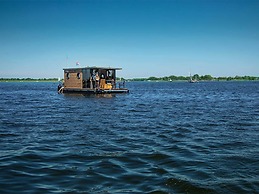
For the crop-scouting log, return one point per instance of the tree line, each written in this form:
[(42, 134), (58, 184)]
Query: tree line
[(153, 78), (195, 77), (28, 79)]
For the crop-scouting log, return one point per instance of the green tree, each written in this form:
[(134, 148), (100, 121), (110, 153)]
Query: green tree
[(206, 77), (196, 77)]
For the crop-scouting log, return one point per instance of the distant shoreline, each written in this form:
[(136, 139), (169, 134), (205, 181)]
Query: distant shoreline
[(171, 78), (28, 80), (196, 77)]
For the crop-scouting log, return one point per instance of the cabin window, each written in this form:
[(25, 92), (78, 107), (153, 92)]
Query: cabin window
[(109, 73), (68, 75), (78, 75)]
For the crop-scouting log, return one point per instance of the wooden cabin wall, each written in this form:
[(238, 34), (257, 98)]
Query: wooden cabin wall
[(73, 81)]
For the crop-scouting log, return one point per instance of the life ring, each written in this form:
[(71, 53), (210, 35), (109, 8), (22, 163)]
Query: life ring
[(60, 89)]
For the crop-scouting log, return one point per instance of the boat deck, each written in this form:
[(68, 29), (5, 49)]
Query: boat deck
[(95, 91)]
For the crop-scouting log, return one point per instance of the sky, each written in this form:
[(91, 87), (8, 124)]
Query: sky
[(143, 37)]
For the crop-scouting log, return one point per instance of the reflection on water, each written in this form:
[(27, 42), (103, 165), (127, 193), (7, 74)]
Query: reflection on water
[(160, 138)]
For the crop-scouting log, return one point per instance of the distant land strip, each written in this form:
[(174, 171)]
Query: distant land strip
[(195, 77), (165, 78), (28, 79)]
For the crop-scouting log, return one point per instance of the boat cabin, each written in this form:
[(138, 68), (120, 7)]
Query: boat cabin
[(92, 80)]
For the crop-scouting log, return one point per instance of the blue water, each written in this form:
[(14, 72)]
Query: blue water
[(162, 137)]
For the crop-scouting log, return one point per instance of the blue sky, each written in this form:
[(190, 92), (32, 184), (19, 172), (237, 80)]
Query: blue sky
[(144, 37)]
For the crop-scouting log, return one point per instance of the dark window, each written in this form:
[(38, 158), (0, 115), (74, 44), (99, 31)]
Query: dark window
[(68, 75), (78, 75)]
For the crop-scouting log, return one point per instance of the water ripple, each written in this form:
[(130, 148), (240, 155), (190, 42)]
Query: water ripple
[(159, 138)]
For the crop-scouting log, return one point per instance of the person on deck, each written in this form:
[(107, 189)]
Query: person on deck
[(97, 79), (94, 80)]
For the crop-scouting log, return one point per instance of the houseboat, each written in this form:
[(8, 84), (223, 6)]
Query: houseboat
[(91, 80)]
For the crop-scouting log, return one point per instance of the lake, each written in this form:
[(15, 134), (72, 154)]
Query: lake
[(162, 137)]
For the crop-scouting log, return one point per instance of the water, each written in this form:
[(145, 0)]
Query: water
[(160, 138)]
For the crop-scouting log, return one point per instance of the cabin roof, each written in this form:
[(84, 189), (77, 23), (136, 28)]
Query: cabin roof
[(93, 67)]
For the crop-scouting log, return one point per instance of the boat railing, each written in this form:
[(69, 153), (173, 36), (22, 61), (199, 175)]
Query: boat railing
[(121, 84)]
